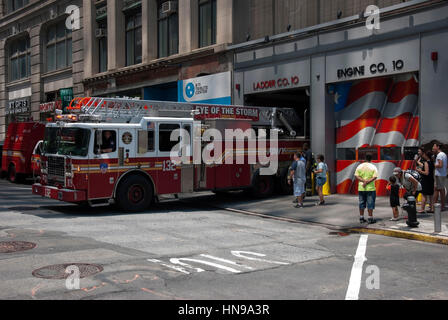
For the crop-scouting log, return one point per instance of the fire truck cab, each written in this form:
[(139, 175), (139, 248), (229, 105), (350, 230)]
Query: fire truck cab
[(128, 158)]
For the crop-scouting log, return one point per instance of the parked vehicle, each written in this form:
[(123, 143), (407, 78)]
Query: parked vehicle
[(20, 142), (119, 151)]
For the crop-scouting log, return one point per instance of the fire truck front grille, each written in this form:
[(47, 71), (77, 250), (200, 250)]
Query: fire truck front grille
[(56, 169)]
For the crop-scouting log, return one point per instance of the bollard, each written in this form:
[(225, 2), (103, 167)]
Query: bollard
[(437, 218)]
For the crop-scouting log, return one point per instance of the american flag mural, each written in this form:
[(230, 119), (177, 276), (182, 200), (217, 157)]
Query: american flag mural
[(373, 113)]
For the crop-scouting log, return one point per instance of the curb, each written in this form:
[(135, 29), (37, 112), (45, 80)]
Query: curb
[(404, 235)]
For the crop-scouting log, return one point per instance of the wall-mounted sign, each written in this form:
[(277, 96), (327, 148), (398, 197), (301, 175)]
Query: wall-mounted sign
[(278, 77), (66, 97), (224, 112), (50, 106), (373, 61), (213, 89), (18, 106)]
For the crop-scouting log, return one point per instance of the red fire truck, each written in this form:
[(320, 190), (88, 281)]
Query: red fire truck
[(119, 151), (22, 139)]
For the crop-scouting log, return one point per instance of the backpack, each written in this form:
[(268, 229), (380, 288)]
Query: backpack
[(417, 176)]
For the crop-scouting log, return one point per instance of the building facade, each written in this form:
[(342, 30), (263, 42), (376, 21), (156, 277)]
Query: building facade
[(361, 89), (41, 58)]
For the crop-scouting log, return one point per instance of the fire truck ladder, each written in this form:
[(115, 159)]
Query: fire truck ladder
[(127, 109)]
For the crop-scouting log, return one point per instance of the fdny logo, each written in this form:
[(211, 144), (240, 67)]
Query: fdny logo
[(104, 167)]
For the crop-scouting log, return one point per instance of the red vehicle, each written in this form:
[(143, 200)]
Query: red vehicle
[(121, 152), (20, 143)]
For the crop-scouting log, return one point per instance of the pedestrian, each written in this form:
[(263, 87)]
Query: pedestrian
[(409, 182), (440, 172), (427, 173), (308, 155), (367, 174), (298, 175), (419, 159), (321, 178), (394, 189)]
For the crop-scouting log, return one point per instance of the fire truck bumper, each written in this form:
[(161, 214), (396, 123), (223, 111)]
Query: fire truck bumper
[(65, 195)]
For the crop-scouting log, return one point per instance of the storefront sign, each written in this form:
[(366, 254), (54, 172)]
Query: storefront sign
[(213, 89), (18, 106), (277, 77), (50, 106), (374, 61), (223, 112), (66, 97)]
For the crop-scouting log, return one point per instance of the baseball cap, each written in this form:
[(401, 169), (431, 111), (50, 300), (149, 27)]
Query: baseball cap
[(397, 171)]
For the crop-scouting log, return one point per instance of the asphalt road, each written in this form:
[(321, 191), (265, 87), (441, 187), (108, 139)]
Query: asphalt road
[(180, 250)]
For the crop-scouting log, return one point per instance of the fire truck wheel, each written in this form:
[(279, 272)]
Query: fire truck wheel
[(134, 193), (263, 186), (283, 186)]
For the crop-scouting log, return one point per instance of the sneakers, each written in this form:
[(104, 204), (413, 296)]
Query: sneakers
[(372, 221), (394, 219), (299, 206), (362, 220), (320, 203)]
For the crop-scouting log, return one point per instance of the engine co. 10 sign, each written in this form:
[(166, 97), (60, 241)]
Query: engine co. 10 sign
[(374, 69)]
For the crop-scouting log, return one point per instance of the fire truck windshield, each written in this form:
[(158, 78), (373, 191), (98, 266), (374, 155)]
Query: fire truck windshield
[(67, 141)]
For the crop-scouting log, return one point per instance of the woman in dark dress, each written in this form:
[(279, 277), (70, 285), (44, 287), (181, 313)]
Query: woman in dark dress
[(427, 174)]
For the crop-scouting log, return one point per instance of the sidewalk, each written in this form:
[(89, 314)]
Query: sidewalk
[(340, 213)]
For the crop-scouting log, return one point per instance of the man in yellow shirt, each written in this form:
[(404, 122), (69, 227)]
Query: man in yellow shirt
[(367, 174)]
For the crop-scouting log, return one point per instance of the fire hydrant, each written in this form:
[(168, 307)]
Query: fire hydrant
[(411, 208)]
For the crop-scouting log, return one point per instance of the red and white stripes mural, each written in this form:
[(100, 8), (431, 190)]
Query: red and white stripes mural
[(374, 113)]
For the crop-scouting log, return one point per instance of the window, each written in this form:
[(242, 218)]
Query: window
[(14, 5), (105, 141), (133, 39), (59, 47), (362, 154), (165, 143), (207, 22), (346, 154), (19, 59), (151, 141), (390, 154), (168, 31), (102, 45)]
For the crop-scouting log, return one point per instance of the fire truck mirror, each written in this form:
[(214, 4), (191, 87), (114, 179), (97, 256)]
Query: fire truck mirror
[(142, 142)]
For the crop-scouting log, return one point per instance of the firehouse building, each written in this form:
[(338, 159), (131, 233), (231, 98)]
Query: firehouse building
[(360, 89)]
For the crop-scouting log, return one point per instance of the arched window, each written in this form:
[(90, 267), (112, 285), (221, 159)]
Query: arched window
[(19, 59), (58, 47)]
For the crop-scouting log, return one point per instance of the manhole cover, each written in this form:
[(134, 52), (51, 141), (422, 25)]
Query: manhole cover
[(57, 271), (15, 246)]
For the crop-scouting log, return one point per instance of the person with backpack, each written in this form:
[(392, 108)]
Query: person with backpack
[(410, 180), (321, 178), (427, 173)]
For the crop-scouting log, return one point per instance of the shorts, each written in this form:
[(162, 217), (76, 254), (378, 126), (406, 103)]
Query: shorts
[(440, 183), (299, 188), (367, 199), (394, 201), (321, 181)]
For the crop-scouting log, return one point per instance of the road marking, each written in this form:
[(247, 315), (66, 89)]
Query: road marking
[(216, 265), (242, 254), (356, 275), (226, 261)]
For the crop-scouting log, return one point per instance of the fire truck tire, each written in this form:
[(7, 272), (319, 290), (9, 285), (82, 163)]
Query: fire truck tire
[(283, 186), (262, 186), (134, 193)]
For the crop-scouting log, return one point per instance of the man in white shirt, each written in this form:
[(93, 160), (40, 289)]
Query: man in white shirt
[(441, 173)]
